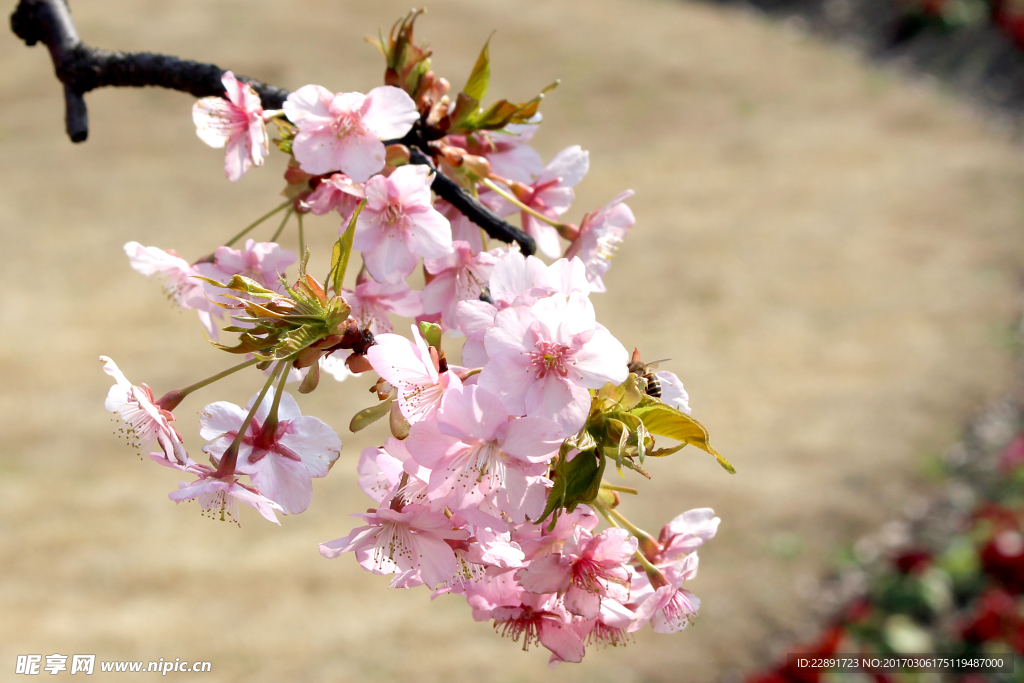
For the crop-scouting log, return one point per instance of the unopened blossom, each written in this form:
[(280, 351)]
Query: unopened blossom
[(399, 224), (601, 233), (460, 276), (219, 497), (543, 360), (473, 450), (372, 303), (669, 607), (588, 569), (145, 422), (550, 194), (413, 370), (337, 193), (411, 543), (235, 122), (343, 131), (280, 462)]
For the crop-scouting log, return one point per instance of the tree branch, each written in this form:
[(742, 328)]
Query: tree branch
[(82, 68)]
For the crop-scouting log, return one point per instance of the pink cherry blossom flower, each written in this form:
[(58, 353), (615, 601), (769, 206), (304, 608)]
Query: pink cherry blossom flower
[(373, 301), (410, 543), (684, 535), (548, 628), (280, 463), (178, 280), (380, 474), (536, 541), (506, 150), (515, 280), (550, 194), (460, 276), (669, 607), (463, 229), (399, 224), (264, 262), (588, 569), (219, 497), (473, 450), (672, 391), (234, 121), (518, 614), (411, 368), (545, 358), (343, 132), (145, 422), (337, 193), (601, 233)]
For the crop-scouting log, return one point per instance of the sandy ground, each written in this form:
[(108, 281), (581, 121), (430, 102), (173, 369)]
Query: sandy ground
[(828, 254)]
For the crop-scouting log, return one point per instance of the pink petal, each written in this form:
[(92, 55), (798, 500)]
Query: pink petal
[(391, 112)]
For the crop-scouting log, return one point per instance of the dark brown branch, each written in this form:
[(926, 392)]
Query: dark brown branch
[(469, 206), (82, 68)]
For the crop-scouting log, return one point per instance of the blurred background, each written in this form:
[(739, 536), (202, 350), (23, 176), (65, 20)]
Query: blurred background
[(829, 253)]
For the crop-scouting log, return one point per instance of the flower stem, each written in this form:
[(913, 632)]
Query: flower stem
[(620, 489), (230, 457), (522, 207), (171, 399), (254, 224), (270, 425), (277, 234)]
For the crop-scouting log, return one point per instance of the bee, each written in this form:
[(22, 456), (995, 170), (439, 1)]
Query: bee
[(645, 371)]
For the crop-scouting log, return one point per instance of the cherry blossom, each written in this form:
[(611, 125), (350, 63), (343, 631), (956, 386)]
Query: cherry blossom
[(178, 280), (279, 462), (263, 262), (373, 301), (543, 359), (669, 607), (473, 450), (145, 422), (219, 497), (234, 121), (684, 535), (343, 132), (588, 568), (410, 543), (337, 193), (601, 233), (460, 276), (672, 391), (550, 194), (399, 224), (412, 368)]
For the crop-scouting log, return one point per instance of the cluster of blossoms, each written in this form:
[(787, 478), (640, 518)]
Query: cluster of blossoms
[(490, 484)]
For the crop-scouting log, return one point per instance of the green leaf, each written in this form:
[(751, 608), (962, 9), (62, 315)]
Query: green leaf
[(465, 108), (576, 482), (667, 421), (342, 252), (240, 283), (476, 86), (367, 416)]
